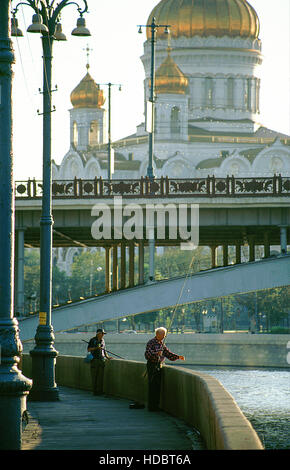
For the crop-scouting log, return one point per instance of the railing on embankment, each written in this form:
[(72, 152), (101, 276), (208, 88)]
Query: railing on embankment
[(198, 399)]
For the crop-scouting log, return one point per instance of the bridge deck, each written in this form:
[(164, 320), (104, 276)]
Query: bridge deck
[(219, 282), (82, 421)]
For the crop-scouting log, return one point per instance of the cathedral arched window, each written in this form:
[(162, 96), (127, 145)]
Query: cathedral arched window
[(257, 95), (175, 121), (248, 94), (94, 133), (209, 91), (230, 92), (75, 134)]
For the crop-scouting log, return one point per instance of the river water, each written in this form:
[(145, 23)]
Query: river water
[(263, 395)]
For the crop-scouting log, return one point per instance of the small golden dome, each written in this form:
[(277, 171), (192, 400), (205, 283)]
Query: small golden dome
[(169, 78), (235, 18), (87, 94)]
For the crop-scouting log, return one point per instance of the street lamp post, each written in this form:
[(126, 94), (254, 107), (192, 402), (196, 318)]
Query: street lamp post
[(109, 85), (151, 129), (153, 27), (46, 21), (14, 387)]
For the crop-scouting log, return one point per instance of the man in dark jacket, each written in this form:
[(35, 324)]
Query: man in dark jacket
[(97, 347), (155, 354)]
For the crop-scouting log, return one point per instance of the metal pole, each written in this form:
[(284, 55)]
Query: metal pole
[(283, 239), (44, 355), (222, 317), (108, 269), (141, 262), (123, 265), (109, 133), (14, 387), (19, 271), (150, 172), (153, 26), (151, 243)]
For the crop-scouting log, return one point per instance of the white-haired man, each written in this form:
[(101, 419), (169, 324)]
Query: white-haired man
[(155, 353)]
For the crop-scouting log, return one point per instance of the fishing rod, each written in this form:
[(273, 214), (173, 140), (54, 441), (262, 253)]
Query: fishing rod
[(180, 294), (105, 349)]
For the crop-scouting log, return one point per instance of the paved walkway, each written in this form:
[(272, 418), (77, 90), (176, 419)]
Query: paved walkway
[(81, 421)]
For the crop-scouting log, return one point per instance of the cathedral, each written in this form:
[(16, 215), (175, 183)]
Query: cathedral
[(207, 102)]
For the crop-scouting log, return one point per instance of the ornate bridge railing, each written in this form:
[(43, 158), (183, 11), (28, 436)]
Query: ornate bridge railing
[(210, 186)]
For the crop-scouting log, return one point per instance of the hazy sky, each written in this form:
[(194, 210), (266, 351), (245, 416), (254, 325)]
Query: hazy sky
[(115, 57)]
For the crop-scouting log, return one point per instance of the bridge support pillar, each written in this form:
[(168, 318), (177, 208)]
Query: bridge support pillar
[(19, 271), (251, 248), (115, 268), (266, 245), (151, 259), (123, 265), (108, 269), (131, 264), (238, 253), (225, 255), (213, 256), (141, 262), (283, 239)]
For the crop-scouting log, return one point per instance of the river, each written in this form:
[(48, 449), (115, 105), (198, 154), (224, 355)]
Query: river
[(263, 395)]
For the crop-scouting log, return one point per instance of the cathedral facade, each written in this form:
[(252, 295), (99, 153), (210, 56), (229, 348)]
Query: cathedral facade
[(207, 102)]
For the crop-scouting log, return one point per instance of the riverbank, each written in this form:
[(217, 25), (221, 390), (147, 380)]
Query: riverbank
[(228, 349)]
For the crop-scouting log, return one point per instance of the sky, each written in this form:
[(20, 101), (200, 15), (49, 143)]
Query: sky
[(116, 48)]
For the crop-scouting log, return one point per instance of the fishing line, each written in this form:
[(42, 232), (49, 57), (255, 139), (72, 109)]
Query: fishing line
[(179, 297)]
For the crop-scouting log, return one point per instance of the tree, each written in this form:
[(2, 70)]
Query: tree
[(31, 278), (60, 285), (87, 274)]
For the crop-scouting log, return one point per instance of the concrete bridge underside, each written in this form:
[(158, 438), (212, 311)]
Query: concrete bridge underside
[(218, 282), (219, 224)]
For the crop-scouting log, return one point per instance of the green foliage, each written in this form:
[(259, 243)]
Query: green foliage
[(87, 274), (279, 330), (176, 262), (31, 278)]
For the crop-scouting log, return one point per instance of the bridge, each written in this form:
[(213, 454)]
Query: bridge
[(219, 282), (232, 211)]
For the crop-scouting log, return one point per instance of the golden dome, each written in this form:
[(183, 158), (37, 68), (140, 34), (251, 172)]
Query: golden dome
[(206, 18), (169, 78), (87, 94)]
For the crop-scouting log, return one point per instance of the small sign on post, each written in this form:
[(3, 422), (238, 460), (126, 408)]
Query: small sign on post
[(42, 318)]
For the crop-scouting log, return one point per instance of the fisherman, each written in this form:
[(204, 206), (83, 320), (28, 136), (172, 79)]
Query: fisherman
[(97, 347), (155, 353)]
